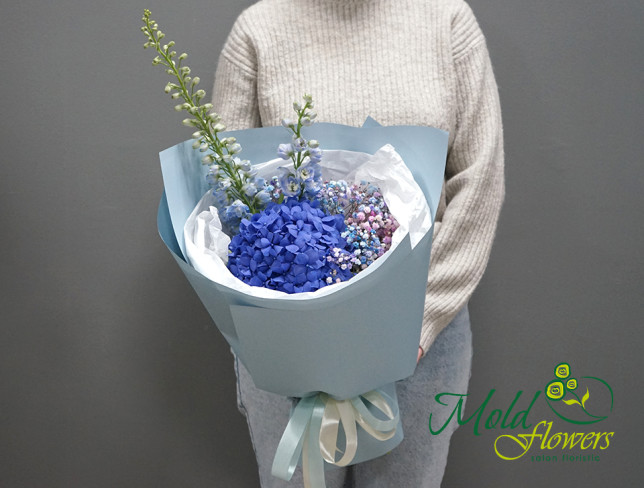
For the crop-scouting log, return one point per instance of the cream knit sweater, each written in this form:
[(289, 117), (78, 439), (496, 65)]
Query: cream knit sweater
[(415, 62)]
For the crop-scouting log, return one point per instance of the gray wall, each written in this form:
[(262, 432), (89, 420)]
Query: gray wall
[(111, 374)]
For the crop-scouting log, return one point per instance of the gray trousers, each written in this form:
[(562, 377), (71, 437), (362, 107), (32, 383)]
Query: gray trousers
[(418, 462)]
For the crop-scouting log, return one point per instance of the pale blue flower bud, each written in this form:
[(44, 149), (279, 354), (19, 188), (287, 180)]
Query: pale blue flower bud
[(249, 189), (212, 175), (299, 144), (312, 187), (263, 197), (310, 170), (315, 154), (285, 151)]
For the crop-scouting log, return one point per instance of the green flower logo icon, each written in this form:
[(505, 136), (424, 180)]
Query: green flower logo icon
[(562, 370), (571, 407), (555, 390)]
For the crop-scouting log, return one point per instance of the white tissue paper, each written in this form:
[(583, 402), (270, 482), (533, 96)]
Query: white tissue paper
[(207, 244)]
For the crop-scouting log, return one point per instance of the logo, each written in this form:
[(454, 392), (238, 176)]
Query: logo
[(566, 390), (580, 402)]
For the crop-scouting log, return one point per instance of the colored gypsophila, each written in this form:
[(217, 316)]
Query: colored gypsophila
[(286, 247), (239, 193), (370, 225)]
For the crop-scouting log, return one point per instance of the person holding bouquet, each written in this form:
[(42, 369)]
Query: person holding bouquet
[(402, 62)]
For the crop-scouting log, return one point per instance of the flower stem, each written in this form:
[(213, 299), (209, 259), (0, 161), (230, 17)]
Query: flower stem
[(209, 124)]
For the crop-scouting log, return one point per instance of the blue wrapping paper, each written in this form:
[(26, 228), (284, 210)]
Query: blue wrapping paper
[(346, 343)]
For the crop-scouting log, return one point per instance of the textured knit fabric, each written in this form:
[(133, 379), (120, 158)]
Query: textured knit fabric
[(420, 459), (416, 62)]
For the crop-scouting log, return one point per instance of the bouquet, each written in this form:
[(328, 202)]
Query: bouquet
[(314, 270)]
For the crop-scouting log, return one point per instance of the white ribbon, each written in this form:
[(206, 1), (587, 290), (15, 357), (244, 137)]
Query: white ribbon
[(313, 431)]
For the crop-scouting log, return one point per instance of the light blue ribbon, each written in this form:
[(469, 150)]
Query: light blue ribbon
[(305, 436)]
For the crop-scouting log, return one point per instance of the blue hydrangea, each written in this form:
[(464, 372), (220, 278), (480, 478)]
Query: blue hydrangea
[(287, 247)]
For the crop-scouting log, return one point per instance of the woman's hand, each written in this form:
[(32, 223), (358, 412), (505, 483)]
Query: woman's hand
[(420, 354)]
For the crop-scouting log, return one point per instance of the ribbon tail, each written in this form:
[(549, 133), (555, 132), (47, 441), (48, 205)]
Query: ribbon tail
[(312, 461), (382, 402), (290, 445), (329, 431), (348, 420)]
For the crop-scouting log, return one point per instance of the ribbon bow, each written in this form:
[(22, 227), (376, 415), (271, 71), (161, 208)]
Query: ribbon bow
[(313, 428)]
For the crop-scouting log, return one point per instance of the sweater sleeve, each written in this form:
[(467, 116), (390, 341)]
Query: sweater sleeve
[(474, 182), (235, 88)]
